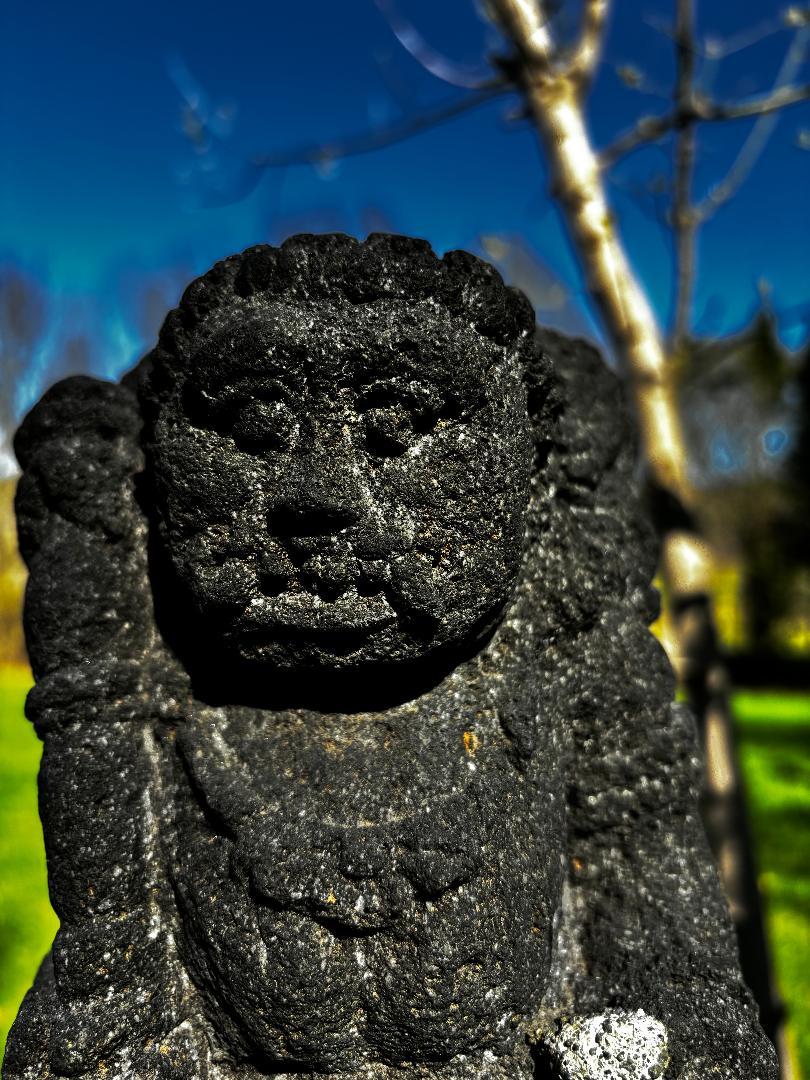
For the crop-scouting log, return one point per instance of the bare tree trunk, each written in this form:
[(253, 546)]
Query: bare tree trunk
[(577, 184)]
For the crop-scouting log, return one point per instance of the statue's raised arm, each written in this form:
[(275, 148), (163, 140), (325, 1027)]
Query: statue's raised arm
[(645, 976), (103, 679)]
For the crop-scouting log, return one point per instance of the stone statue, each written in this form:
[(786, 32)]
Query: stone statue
[(359, 757)]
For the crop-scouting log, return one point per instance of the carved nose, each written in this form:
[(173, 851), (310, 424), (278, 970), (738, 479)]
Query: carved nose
[(323, 499)]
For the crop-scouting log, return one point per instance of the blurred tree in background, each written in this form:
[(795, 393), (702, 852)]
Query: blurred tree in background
[(740, 402)]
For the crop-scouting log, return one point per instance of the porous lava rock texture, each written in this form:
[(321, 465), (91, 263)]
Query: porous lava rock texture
[(359, 758)]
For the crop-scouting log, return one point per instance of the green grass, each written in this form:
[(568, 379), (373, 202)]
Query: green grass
[(774, 732), (27, 921), (774, 743)]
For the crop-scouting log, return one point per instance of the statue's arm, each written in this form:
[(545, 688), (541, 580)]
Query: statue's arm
[(102, 682), (643, 925)]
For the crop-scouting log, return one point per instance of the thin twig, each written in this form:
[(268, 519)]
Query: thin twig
[(716, 49), (758, 106), (713, 48), (648, 201), (768, 113), (646, 130), (683, 217), (588, 49), (424, 54), (652, 128), (323, 152)]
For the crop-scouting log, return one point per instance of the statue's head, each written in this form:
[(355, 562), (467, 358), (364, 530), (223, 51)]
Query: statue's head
[(340, 451)]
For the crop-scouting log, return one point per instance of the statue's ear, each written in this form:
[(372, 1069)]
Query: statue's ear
[(81, 532), (542, 393), (586, 403)]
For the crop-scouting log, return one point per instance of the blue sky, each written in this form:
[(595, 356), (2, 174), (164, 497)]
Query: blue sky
[(102, 197)]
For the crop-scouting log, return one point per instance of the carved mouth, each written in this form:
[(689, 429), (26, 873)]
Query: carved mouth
[(306, 613)]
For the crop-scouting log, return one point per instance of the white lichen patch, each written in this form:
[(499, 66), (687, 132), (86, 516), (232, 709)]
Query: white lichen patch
[(614, 1045)]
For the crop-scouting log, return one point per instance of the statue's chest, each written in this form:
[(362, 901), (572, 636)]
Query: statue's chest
[(347, 816), (371, 865)]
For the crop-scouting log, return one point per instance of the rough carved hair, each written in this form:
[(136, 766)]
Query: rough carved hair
[(335, 267)]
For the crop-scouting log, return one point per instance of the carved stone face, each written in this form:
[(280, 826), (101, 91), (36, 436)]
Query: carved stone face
[(344, 484)]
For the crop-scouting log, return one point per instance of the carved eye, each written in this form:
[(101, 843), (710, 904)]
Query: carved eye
[(389, 429), (266, 425)]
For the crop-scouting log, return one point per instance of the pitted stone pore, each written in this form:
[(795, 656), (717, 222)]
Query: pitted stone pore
[(612, 1046)]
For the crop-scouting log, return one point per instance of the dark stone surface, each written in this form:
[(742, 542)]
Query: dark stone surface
[(359, 756)]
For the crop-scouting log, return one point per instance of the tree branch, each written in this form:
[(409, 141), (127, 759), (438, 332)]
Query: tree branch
[(586, 55), (432, 61), (320, 153), (777, 99), (652, 128), (767, 109), (684, 220), (525, 24), (713, 48), (323, 153), (648, 129)]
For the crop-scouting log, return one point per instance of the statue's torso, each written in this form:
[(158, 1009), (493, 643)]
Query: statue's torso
[(351, 869)]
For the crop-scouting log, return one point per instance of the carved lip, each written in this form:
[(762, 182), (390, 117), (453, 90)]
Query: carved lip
[(304, 612)]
